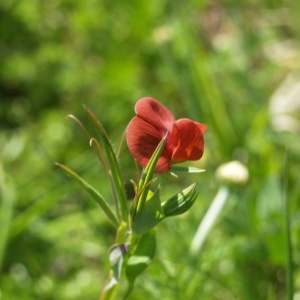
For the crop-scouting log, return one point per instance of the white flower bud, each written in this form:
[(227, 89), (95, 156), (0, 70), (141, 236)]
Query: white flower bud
[(233, 172)]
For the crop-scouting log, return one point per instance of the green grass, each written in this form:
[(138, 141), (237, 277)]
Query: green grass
[(218, 63)]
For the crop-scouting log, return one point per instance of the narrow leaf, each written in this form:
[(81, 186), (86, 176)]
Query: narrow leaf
[(148, 173), (94, 193), (141, 258), (114, 172), (116, 258), (181, 169), (148, 216), (80, 124)]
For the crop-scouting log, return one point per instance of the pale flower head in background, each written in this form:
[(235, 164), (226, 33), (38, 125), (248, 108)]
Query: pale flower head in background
[(233, 172), (284, 106)]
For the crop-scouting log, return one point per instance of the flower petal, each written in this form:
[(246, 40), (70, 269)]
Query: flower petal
[(142, 139), (187, 142), (202, 127), (156, 114), (153, 120)]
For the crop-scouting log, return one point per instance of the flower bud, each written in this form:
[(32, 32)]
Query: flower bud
[(233, 172), (181, 202)]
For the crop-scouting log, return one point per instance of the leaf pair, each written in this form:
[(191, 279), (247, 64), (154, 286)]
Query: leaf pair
[(134, 264), (154, 211), (107, 156)]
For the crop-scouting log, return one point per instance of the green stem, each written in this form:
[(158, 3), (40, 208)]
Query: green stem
[(109, 294), (209, 219), (148, 172), (289, 271), (7, 196)]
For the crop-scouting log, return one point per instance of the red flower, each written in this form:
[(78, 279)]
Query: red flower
[(151, 123)]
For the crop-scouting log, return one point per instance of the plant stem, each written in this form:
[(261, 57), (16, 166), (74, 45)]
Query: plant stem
[(7, 196), (209, 219), (289, 271)]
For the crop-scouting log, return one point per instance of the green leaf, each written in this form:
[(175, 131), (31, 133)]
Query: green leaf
[(146, 178), (141, 258), (116, 258), (148, 216), (181, 169), (114, 172), (181, 202), (8, 197), (94, 193)]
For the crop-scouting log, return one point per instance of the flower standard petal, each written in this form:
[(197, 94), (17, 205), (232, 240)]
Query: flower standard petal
[(187, 142), (156, 114), (142, 139)]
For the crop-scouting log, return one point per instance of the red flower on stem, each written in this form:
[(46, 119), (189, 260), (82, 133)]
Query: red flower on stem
[(152, 121)]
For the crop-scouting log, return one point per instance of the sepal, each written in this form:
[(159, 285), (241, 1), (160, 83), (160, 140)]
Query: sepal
[(148, 216), (181, 202)]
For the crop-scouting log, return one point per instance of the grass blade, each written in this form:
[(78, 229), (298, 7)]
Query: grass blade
[(209, 219), (7, 203), (289, 263)]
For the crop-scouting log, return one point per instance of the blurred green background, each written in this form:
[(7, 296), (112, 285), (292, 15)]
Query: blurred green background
[(233, 65)]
